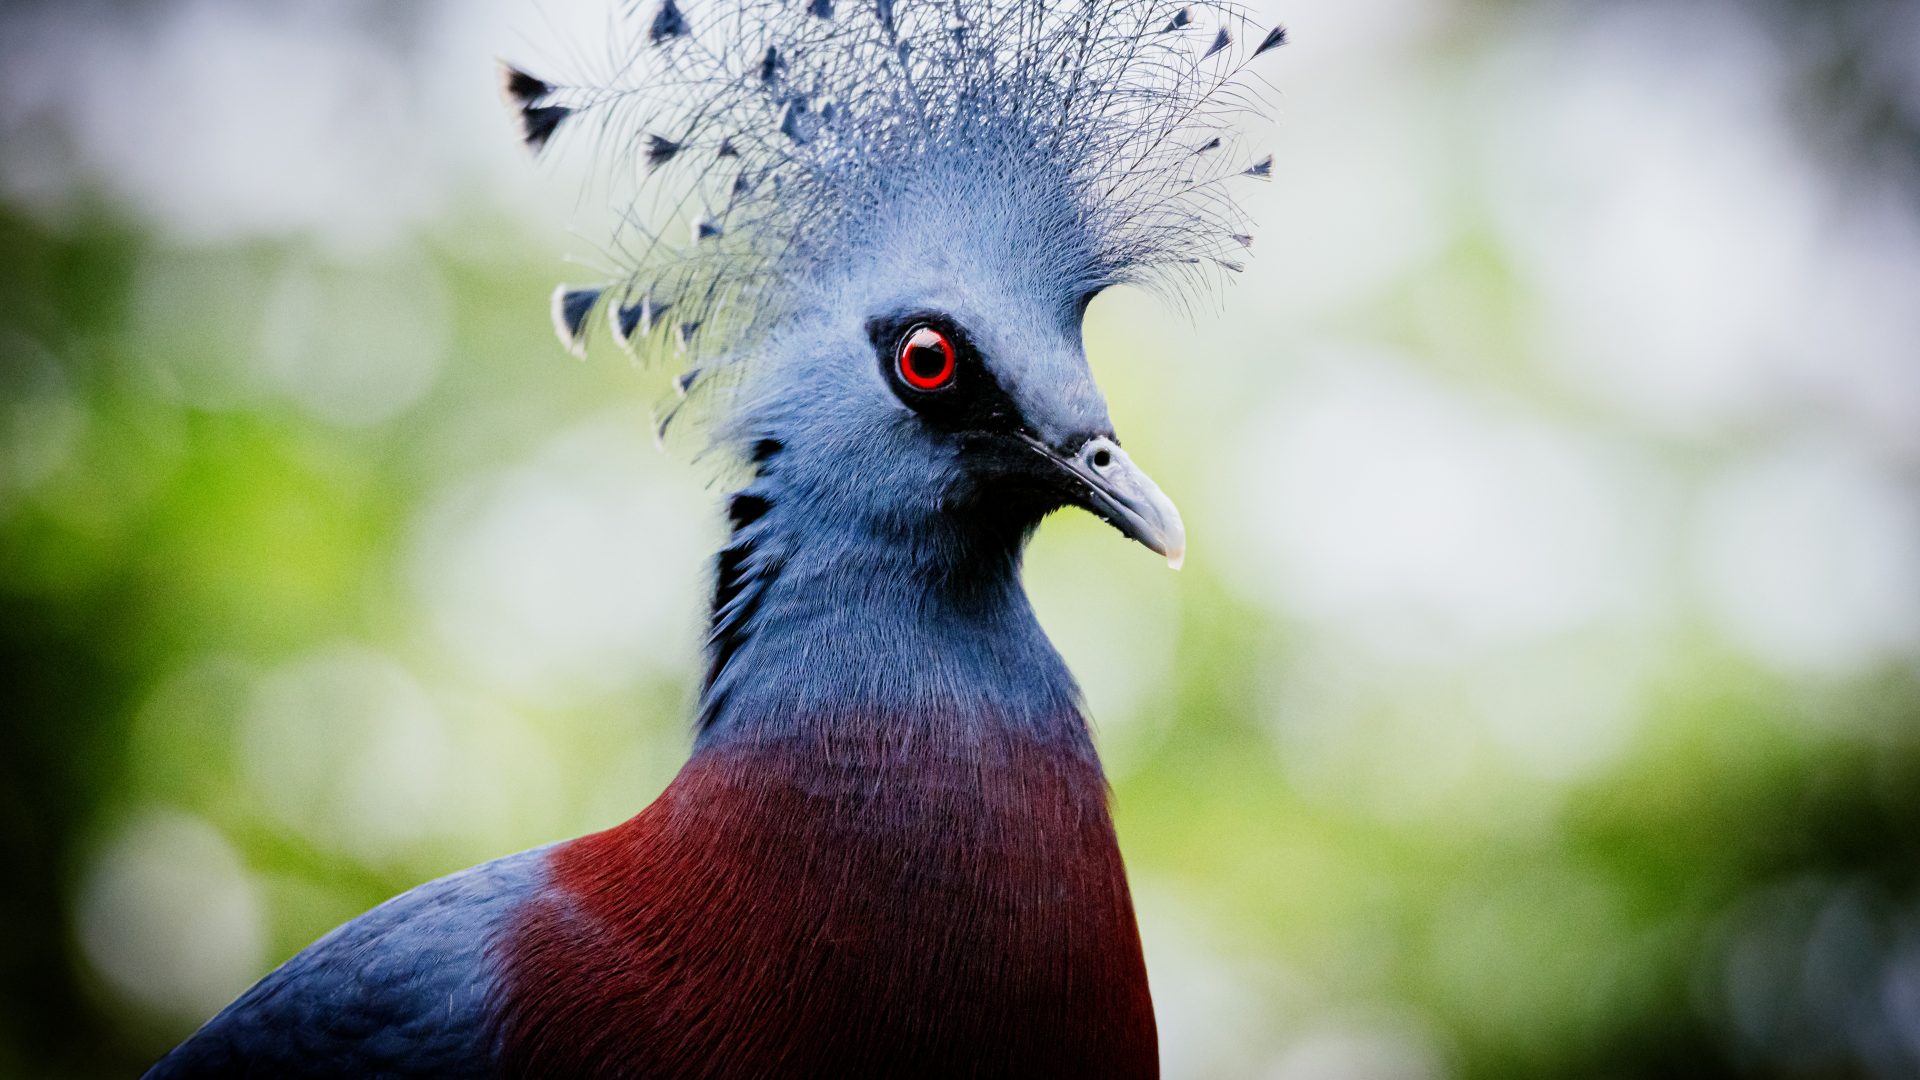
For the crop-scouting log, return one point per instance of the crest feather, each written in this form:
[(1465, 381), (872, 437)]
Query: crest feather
[(668, 23), (522, 89), (790, 133), (571, 308)]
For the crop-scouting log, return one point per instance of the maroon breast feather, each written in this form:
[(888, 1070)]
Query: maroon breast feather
[(864, 898)]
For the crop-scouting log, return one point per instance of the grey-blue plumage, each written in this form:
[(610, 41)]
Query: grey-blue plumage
[(403, 991)]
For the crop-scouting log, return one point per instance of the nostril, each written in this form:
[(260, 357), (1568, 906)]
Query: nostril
[(1101, 458)]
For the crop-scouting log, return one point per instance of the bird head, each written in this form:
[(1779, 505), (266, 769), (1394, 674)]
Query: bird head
[(933, 372), (898, 214)]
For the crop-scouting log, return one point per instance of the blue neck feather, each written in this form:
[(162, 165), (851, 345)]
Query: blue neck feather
[(824, 613)]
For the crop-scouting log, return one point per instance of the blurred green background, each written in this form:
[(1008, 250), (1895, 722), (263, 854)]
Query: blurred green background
[(1541, 697)]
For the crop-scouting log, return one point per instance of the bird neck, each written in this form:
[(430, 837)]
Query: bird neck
[(823, 612)]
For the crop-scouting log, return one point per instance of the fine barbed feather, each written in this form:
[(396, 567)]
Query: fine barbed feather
[(749, 143)]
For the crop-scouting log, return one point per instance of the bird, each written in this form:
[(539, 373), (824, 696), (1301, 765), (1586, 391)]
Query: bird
[(865, 236)]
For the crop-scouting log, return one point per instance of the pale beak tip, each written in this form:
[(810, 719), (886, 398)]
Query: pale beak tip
[(1124, 496)]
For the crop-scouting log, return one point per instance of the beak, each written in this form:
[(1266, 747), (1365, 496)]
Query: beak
[(1114, 488)]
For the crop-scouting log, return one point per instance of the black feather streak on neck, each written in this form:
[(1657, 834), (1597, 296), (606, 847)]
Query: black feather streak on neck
[(895, 615), (743, 571)]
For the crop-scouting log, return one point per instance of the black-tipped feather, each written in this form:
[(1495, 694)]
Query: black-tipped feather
[(650, 312), (625, 319), (636, 320), (1262, 169), (668, 23), (1274, 39), (539, 122), (660, 150), (571, 308), (797, 125), (1220, 41), (522, 89)]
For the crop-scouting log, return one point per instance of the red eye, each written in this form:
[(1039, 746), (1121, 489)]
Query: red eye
[(926, 359)]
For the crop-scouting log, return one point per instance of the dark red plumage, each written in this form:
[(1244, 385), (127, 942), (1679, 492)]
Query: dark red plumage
[(848, 898)]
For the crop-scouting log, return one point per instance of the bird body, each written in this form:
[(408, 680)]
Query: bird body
[(915, 899), (910, 897), (890, 853)]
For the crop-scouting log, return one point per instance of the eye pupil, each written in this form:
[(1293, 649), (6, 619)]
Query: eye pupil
[(926, 359), (925, 363)]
